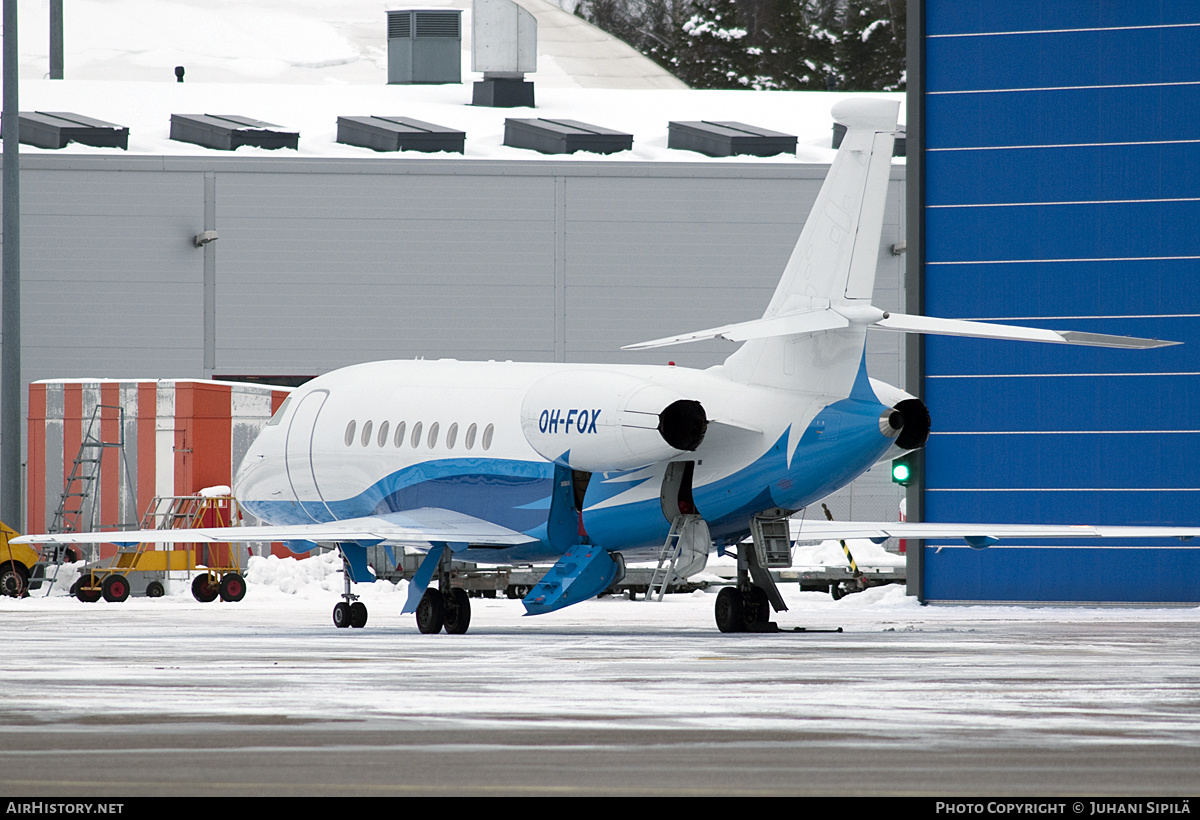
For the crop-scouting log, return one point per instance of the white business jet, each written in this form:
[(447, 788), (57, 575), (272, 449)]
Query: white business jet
[(586, 465)]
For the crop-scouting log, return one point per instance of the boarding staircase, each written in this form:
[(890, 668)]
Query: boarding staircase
[(683, 553)]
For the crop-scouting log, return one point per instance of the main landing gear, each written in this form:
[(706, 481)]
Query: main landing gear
[(747, 610), (450, 610), (747, 607), (349, 612), (443, 606)]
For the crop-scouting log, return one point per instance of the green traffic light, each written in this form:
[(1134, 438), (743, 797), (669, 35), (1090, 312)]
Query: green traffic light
[(900, 472)]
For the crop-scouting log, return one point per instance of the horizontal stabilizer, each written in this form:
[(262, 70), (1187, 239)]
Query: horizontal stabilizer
[(976, 534), (810, 321), (415, 527), (987, 330), (815, 321)]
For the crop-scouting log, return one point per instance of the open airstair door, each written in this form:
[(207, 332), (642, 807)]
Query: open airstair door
[(689, 540)]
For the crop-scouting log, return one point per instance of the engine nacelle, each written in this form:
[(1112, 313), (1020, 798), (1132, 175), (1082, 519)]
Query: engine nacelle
[(604, 421)]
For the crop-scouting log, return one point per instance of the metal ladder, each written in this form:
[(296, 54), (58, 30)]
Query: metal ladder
[(78, 489), (668, 557)]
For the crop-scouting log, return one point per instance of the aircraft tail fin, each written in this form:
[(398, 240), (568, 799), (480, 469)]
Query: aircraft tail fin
[(832, 267), (834, 259)]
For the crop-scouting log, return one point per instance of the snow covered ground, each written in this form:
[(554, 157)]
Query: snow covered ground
[(649, 693)]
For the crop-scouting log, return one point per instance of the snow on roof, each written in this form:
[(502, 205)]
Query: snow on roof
[(146, 109), (301, 65)]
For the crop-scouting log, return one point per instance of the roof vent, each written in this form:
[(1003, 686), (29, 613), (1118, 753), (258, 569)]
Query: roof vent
[(564, 137), (54, 129), (398, 134), (725, 139), (424, 46), (229, 131)]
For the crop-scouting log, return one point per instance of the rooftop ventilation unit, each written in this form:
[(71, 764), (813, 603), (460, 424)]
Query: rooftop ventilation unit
[(424, 47), (226, 132), (398, 134), (564, 137), (726, 139), (504, 48), (54, 129)]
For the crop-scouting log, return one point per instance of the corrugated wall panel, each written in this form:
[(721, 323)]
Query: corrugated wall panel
[(107, 263)]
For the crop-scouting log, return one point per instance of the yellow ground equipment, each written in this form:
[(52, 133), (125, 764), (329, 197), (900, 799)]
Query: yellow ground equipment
[(220, 565), (16, 564)]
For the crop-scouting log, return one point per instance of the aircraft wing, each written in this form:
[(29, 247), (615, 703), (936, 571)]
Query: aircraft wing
[(413, 527), (976, 535)]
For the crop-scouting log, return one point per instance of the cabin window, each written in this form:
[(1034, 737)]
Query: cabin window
[(350, 433), (383, 431), (366, 433), (451, 436), (399, 440), (469, 441), (487, 436), (416, 436), (433, 435)]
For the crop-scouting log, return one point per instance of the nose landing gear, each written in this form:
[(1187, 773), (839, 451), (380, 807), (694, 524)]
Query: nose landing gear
[(349, 612)]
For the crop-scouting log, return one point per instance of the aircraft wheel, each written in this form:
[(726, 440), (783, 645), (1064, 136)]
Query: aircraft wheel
[(835, 590), (203, 590), (341, 615), (233, 587), (358, 614), (88, 596), (756, 607), (458, 612), (14, 580), (729, 611), (155, 589), (115, 588), (431, 612)]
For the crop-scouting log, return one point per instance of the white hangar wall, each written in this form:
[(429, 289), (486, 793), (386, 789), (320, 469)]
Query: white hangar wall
[(322, 263)]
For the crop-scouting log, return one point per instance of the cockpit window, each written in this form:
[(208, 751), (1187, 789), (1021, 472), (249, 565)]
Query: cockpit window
[(278, 415)]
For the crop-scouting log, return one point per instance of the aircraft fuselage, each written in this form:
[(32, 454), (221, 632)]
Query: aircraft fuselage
[(398, 435)]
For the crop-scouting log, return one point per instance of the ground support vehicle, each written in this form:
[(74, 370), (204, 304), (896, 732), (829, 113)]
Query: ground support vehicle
[(219, 567)]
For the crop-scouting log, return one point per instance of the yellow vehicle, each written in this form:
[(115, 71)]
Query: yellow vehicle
[(20, 566), (219, 566)]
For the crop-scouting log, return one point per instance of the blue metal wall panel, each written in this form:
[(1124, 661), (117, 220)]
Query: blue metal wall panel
[(1082, 116), (1088, 173), (1064, 575), (1062, 189), (1111, 230), (1063, 460), (1090, 57), (957, 17), (1038, 404), (1148, 507), (1099, 287)]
